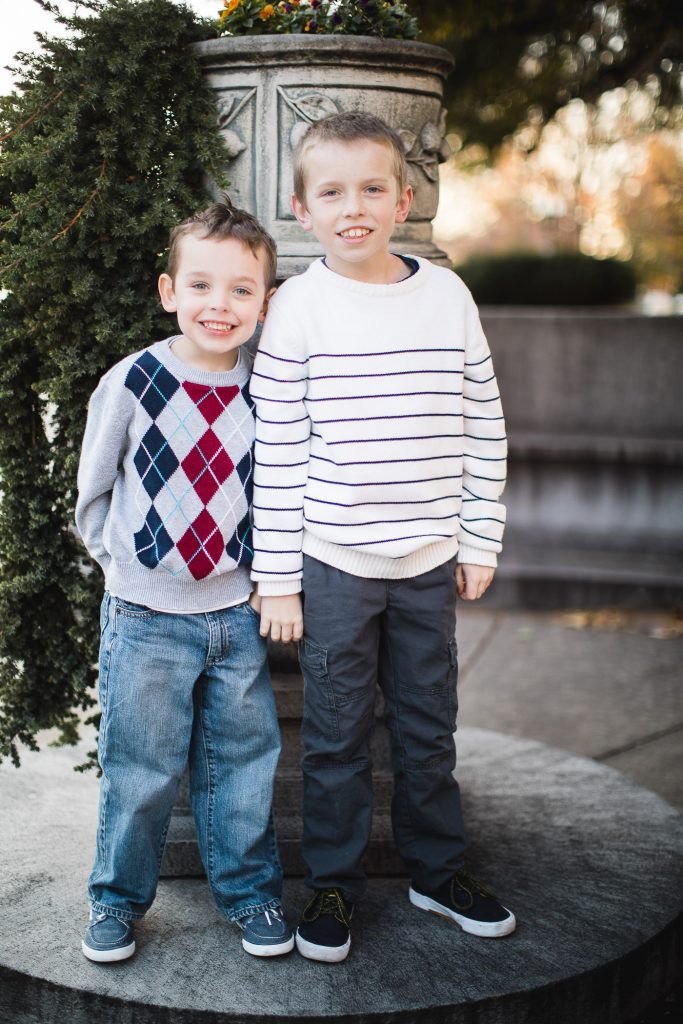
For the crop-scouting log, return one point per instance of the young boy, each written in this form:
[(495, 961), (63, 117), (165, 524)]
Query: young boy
[(165, 483), (380, 454)]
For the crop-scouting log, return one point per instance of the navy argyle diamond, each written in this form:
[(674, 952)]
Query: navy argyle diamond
[(239, 546), (155, 461), (152, 542), (151, 383)]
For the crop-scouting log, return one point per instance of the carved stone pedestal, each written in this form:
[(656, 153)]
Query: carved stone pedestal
[(269, 89)]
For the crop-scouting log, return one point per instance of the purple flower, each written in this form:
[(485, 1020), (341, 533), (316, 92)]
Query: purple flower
[(315, 4), (336, 18)]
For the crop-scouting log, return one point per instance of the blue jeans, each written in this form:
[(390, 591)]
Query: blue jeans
[(173, 688)]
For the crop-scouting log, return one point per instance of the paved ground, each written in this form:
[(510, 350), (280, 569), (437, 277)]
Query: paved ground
[(606, 684), (601, 684)]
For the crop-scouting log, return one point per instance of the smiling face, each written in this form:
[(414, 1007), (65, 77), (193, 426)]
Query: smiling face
[(352, 205), (218, 295)]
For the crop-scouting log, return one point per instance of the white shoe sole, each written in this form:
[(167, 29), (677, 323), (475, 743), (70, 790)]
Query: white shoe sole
[(275, 950), (108, 956), (484, 929), (326, 954)]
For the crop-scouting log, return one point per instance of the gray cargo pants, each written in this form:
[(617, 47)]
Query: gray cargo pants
[(400, 633)]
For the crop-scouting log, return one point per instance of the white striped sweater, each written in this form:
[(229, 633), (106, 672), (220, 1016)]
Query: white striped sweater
[(380, 439)]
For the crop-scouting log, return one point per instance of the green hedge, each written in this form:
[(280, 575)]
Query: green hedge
[(563, 279), (106, 144)]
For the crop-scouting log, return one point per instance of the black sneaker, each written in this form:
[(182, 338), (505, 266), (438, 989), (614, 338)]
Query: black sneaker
[(467, 902), (324, 931)]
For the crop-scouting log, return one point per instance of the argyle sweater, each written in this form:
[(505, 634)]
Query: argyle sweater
[(380, 439), (165, 479)]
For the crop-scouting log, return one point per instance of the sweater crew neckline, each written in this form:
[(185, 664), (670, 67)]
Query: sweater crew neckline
[(214, 378), (411, 283)]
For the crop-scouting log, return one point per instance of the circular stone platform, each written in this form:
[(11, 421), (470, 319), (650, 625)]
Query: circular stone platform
[(591, 864)]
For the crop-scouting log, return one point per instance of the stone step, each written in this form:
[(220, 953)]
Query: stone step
[(591, 864)]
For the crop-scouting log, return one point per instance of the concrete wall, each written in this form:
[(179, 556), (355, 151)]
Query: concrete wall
[(595, 420)]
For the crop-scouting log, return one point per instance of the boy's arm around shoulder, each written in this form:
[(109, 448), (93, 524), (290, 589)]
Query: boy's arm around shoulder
[(104, 443), (283, 428), (482, 517)]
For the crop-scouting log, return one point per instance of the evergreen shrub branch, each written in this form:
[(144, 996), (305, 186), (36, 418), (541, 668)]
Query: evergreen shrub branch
[(108, 140)]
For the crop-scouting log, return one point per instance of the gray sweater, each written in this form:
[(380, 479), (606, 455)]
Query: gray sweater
[(165, 481)]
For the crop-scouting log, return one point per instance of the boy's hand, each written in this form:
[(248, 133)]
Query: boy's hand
[(282, 617), (473, 580)]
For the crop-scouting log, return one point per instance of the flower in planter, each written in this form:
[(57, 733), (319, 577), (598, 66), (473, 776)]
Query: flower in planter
[(389, 19)]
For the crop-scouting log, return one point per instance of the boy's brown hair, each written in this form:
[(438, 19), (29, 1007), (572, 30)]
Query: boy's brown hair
[(349, 127), (223, 220)]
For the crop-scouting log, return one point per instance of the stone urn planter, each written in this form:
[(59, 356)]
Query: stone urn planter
[(269, 89)]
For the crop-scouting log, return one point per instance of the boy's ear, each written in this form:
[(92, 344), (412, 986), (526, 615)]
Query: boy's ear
[(301, 214), (264, 308), (167, 294), (404, 204)]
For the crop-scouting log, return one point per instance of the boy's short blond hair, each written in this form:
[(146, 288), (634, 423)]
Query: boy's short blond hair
[(223, 220), (349, 127)]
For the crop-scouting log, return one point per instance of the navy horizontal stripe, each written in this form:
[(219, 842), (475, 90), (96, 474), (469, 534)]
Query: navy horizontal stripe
[(476, 437), (385, 440), (274, 551), (388, 483), (401, 416), (483, 519), (484, 360), (468, 398), (282, 423), (479, 536), (294, 573), (397, 394), (280, 487), (273, 529), (475, 497), (473, 380), (379, 462), (492, 479), (389, 352), (281, 359), (393, 540), (274, 444), (267, 508), (280, 465), (279, 401), (385, 522), (367, 376), (280, 380), (358, 504), (489, 419), (486, 458)]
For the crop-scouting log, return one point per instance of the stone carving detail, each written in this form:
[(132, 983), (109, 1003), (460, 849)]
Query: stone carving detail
[(228, 109), (427, 149), (309, 108)]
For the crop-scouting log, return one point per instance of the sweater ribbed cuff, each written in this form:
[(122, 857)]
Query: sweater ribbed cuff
[(278, 588), (468, 555)]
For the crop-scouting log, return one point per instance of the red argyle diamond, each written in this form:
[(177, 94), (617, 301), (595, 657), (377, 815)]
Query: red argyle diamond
[(207, 466), (201, 545), (211, 401)]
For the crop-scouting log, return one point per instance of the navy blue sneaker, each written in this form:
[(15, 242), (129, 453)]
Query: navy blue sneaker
[(266, 934), (107, 939), (468, 903), (324, 931)]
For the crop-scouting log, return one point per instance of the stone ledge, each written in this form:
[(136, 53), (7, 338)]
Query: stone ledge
[(590, 863)]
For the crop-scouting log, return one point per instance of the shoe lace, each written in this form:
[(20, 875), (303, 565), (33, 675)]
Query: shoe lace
[(327, 901), (464, 880), (274, 912)]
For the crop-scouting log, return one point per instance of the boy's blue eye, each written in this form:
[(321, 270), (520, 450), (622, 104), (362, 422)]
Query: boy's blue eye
[(200, 285), (241, 292)]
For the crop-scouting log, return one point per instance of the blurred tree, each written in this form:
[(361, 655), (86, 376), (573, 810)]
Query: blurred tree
[(513, 57)]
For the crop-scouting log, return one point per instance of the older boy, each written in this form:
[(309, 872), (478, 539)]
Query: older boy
[(164, 507), (380, 458)]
